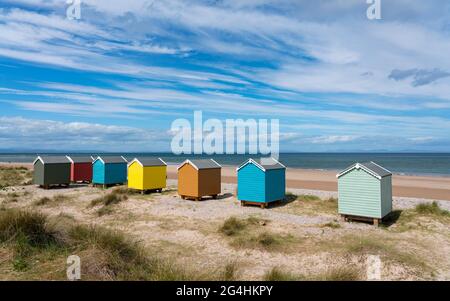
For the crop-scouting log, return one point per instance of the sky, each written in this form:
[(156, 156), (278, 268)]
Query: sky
[(117, 78)]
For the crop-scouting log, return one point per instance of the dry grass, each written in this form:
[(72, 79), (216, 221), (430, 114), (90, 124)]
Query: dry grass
[(55, 200), (267, 241), (309, 205), (424, 217), (432, 209), (40, 251), (15, 176), (385, 246), (339, 273), (332, 225), (250, 233), (109, 200)]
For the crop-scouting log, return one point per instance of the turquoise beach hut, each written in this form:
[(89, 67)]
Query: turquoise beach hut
[(109, 170), (365, 192), (262, 182)]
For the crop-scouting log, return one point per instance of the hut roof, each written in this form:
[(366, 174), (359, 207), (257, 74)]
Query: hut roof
[(149, 162), (201, 164), (111, 159), (370, 167), (264, 164), (51, 159), (80, 159)]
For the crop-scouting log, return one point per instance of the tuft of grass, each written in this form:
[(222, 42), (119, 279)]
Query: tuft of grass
[(57, 199), (105, 210), (123, 190), (332, 225), (27, 233), (232, 226), (14, 176), (15, 224), (276, 274), (431, 209), (109, 199), (229, 272), (265, 240), (308, 198), (42, 201), (340, 273)]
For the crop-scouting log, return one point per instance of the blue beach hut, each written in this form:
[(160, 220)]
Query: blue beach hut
[(262, 182), (109, 170)]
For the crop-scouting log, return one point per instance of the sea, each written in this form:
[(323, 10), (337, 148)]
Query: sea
[(437, 164)]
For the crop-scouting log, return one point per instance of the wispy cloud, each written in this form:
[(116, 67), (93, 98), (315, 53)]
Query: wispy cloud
[(19, 132), (320, 67)]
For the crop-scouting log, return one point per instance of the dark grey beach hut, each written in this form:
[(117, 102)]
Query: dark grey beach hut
[(51, 170)]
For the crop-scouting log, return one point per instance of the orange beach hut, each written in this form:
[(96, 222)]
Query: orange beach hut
[(199, 178)]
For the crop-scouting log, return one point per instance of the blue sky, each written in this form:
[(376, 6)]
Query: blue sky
[(117, 78)]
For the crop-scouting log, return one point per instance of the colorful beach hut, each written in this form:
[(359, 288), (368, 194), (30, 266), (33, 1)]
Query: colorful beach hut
[(81, 168), (261, 182), (147, 174), (51, 170), (199, 178), (365, 192), (109, 170)]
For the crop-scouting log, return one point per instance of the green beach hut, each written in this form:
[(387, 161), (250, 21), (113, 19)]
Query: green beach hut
[(365, 192), (51, 170)]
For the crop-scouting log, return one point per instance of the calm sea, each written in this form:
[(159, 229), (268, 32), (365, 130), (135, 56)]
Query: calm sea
[(400, 163)]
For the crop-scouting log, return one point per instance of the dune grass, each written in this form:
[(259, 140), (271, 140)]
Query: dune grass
[(107, 201), (307, 204), (431, 209), (339, 273), (40, 248), (55, 200), (332, 225), (27, 233), (250, 233), (15, 176)]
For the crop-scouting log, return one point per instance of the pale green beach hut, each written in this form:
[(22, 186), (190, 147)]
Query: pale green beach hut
[(365, 192)]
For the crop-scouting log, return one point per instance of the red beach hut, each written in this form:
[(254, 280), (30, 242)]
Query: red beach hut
[(81, 169)]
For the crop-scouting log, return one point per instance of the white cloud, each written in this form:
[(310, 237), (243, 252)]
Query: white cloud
[(22, 133), (421, 139), (332, 139)]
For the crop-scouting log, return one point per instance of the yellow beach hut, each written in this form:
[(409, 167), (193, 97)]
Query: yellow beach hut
[(147, 174)]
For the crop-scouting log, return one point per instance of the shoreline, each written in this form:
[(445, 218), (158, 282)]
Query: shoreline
[(424, 187)]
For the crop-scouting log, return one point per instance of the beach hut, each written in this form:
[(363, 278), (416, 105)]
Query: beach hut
[(109, 170), (147, 174), (81, 168), (261, 182), (199, 178), (51, 170), (365, 192)]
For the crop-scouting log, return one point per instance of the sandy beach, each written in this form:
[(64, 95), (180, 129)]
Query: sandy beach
[(424, 187)]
